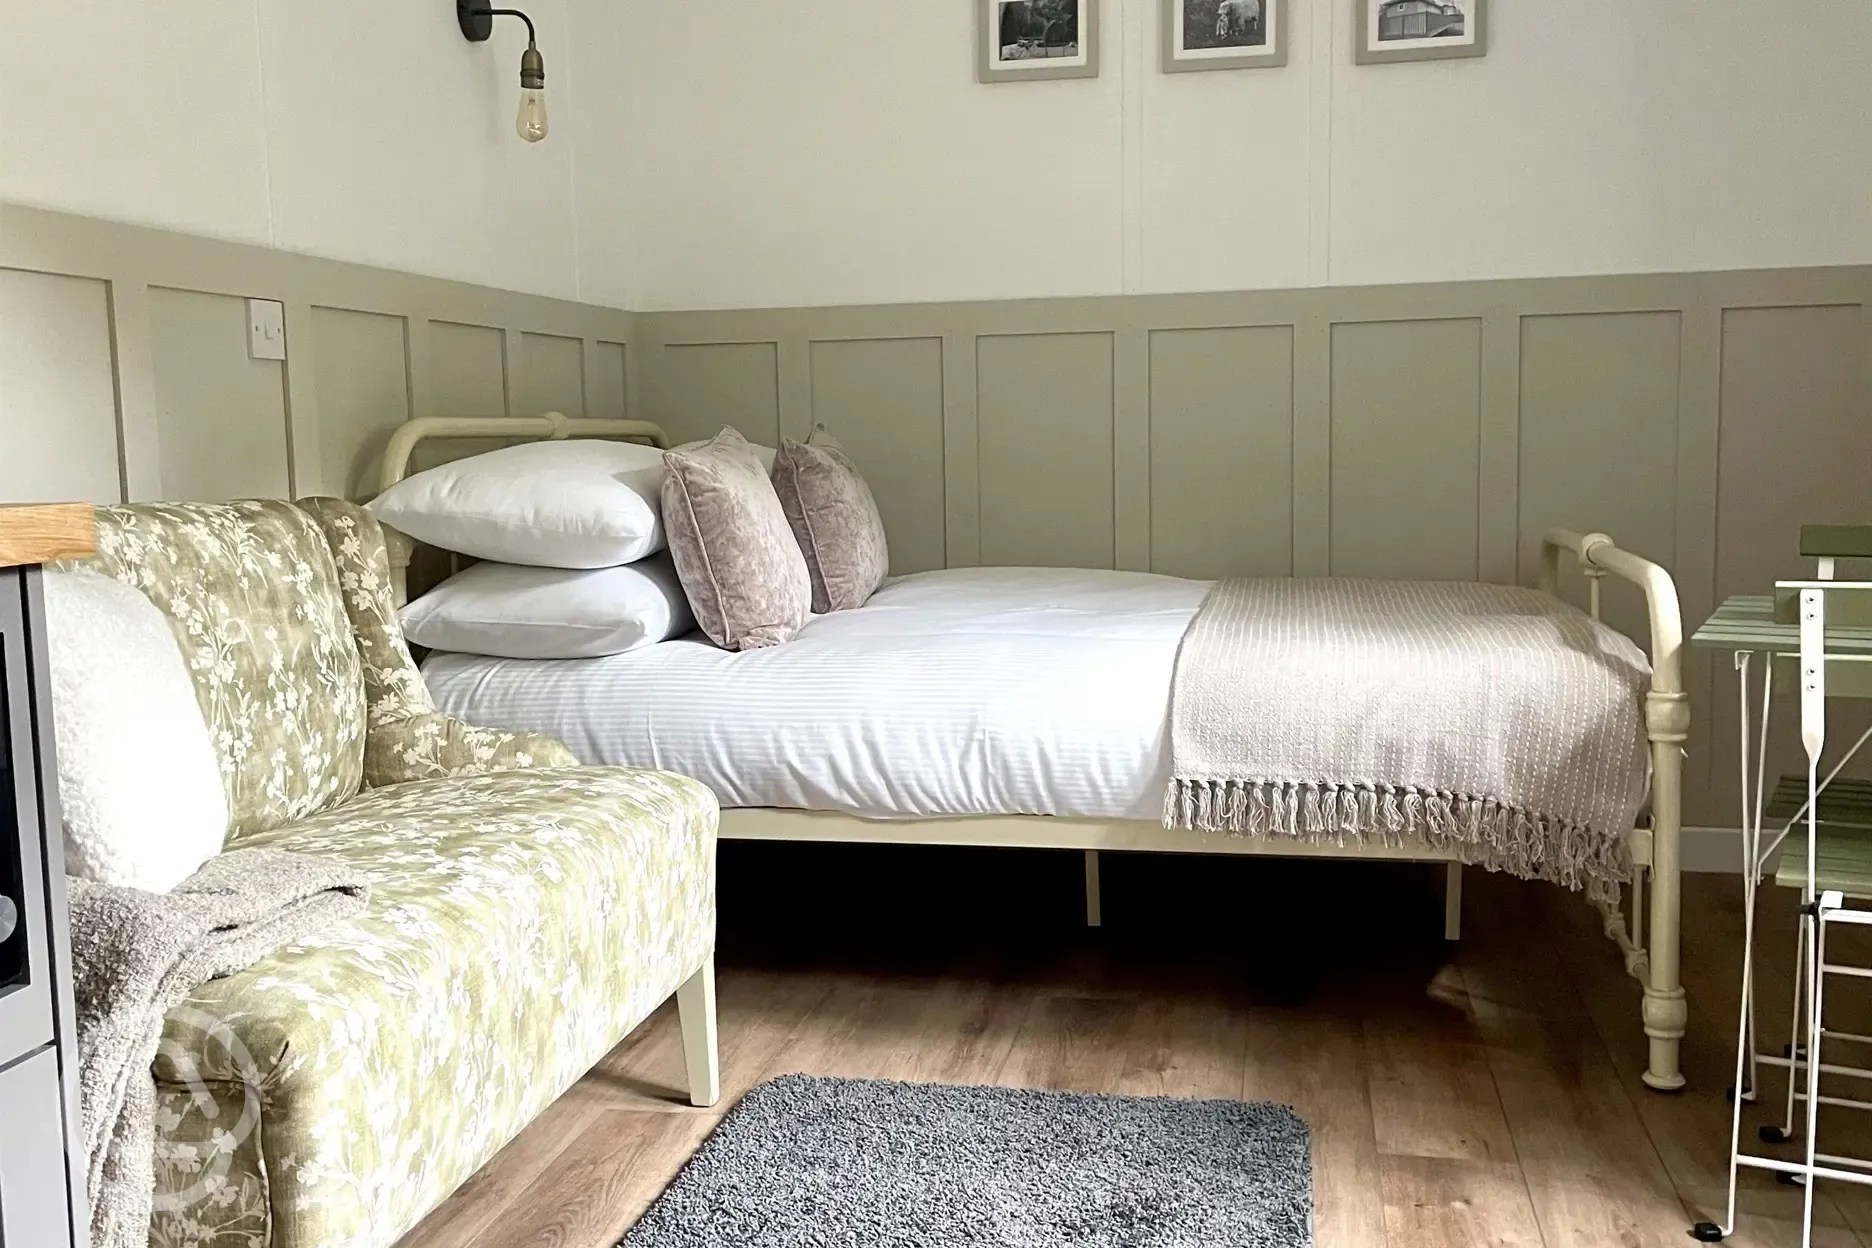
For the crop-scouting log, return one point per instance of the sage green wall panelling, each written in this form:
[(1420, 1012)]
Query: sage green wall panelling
[(708, 385), (56, 398), (882, 398), (361, 368), (220, 416), (552, 375), (1599, 440), (124, 367), (469, 377), (1796, 441), (1430, 430), (609, 384), (1044, 415), (469, 374), (1406, 428), (1221, 451)]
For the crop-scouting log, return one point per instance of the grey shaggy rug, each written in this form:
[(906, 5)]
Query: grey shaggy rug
[(868, 1164)]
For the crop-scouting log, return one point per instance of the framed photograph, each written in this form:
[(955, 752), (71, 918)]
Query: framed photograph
[(1021, 40), (1420, 30), (1223, 34)]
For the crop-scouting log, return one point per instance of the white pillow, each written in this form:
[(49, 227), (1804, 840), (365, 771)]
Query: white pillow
[(139, 781), (551, 613), (574, 504)]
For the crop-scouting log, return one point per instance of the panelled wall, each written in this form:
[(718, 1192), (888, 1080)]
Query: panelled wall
[(1424, 431), (1401, 430), (125, 373)]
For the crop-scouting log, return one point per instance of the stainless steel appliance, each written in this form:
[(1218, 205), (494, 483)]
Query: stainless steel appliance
[(41, 1151)]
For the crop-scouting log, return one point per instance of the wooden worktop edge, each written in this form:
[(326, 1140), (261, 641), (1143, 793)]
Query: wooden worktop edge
[(42, 532)]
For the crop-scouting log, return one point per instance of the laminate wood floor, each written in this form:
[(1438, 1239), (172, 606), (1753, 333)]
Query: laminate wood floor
[(1483, 1093)]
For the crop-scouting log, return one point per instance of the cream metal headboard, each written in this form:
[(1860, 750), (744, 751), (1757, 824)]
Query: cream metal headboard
[(549, 427)]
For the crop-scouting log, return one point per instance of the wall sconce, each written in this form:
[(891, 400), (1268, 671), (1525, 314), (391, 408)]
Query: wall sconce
[(477, 23)]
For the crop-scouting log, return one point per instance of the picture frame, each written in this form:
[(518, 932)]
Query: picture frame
[(1223, 34), (1032, 40), (1390, 31)]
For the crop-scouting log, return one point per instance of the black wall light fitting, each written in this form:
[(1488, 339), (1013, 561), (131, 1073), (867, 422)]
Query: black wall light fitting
[(477, 23)]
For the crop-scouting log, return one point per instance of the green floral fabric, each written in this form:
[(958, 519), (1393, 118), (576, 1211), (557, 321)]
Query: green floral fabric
[(407, 738), (522, 919), (251, 592), (426, 747), (393, 686), (521, 923)]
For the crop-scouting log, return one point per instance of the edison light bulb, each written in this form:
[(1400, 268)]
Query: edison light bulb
[(531, 123), (532, 120)]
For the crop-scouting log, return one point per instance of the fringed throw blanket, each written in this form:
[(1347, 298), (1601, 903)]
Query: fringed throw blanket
[(1496, 721), (135, 957)]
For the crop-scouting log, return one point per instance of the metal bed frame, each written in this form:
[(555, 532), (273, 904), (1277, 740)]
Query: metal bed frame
[(1654, 845)]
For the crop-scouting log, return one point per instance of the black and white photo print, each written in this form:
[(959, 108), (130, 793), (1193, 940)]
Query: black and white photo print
[(1420, 30), (1028, 39), (1223, 34)]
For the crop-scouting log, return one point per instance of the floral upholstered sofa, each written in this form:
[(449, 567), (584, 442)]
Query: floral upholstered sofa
[(526, 913)]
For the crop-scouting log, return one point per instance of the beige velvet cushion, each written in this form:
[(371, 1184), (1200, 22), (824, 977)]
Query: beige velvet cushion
[(835, 519), (735, 554)]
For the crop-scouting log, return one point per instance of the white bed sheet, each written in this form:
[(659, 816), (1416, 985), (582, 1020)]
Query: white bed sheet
[(980, 691)]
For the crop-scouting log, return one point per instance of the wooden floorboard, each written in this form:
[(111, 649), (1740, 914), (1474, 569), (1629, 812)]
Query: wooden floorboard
[(1438, 1202), (1479, 1093)]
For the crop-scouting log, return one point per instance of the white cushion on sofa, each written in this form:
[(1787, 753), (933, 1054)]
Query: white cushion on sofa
[(551, 613), (571, 504), (139, 784)]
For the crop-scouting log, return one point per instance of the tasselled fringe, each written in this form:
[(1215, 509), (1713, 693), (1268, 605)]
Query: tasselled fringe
[(1483, 832)]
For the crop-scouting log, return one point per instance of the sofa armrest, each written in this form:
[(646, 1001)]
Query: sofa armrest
[(432, 745)]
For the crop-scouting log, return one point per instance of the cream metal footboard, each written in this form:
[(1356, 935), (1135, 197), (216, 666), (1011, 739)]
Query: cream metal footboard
[(1655, 963), (1667, 725)]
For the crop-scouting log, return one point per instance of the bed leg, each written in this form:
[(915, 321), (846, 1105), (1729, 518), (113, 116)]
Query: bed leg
[(1637, 906), (1095, 909), (1452, 901), (1665, 1011)]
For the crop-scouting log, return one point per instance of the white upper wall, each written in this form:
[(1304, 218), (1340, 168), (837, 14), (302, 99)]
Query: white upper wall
[(761, 154), (825, 152), (788, 154), (1607, 136), (355, 129)]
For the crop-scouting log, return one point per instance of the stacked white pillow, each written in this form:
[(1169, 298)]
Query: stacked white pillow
[(573, 535), (516, 612), (568, 504)]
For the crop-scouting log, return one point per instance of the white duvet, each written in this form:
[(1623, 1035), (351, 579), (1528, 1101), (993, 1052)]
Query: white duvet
[(978, 691)]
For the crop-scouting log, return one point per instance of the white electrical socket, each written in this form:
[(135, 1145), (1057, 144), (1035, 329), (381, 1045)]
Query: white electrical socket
[(266, 329)]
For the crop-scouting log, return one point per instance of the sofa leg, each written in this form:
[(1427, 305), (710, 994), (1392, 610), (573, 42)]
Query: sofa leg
[(695, 1005)]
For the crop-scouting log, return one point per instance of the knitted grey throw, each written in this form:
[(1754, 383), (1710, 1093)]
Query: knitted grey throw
[(1494, 721), (136, 956)]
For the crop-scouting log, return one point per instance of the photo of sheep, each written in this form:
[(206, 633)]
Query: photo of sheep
[(1027, 39), (1223, 34), (1224, 24)]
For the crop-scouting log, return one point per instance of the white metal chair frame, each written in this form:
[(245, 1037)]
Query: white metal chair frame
[(1819, 911)]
